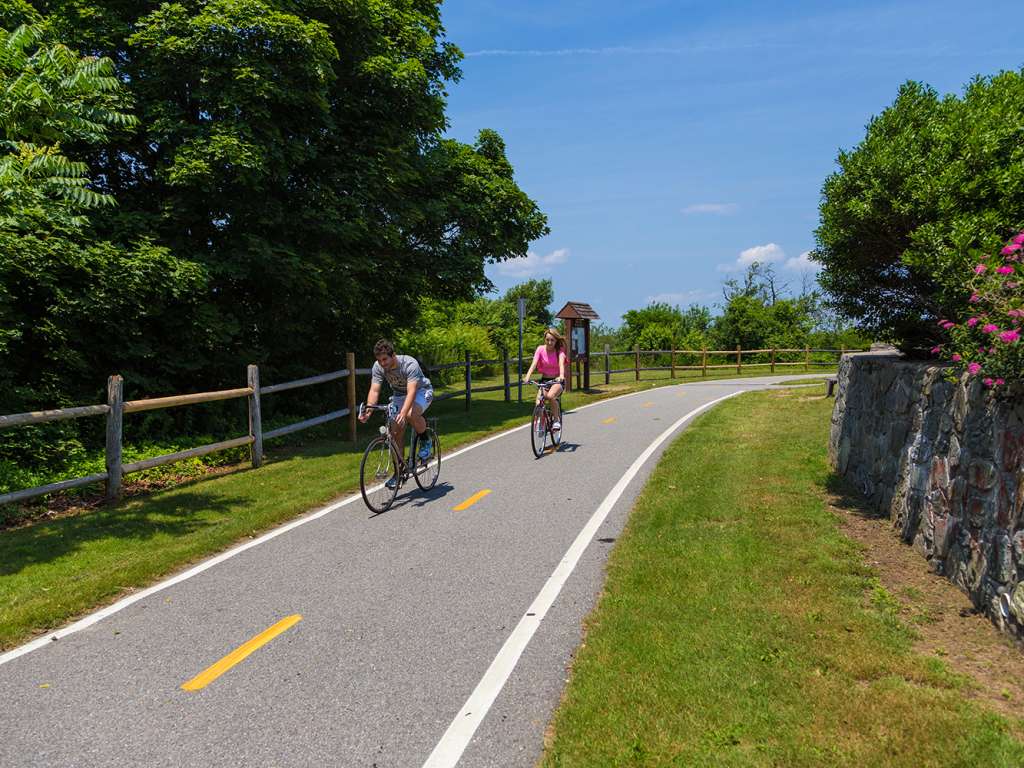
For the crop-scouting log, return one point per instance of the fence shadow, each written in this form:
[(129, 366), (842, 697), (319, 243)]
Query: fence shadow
[(139, 519)]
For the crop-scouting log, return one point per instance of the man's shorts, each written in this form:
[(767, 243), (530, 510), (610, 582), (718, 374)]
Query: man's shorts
[(424, 397)]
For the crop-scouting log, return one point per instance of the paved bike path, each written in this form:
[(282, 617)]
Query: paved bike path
[(402, 613)]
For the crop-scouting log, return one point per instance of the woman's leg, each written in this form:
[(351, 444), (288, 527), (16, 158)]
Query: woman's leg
[(552, 395)]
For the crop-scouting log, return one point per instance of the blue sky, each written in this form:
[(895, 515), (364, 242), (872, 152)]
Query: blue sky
[(671, 142)]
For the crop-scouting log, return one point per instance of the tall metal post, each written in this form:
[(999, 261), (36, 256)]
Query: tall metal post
[(521, 306)]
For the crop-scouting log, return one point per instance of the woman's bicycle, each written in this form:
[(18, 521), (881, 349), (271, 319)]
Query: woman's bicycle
[(384, 470), (541, 433)]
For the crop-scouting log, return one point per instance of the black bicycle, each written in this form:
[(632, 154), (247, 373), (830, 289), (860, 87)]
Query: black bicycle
[(541, 432), (384, 470)]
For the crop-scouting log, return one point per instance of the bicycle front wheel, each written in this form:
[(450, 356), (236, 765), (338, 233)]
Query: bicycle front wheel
[(426, 471), (378, 468), (539, 431)]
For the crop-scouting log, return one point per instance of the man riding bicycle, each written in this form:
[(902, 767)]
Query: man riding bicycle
[(411, 390)]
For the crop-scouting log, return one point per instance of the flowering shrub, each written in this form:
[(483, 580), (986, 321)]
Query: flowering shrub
[(988, 343)]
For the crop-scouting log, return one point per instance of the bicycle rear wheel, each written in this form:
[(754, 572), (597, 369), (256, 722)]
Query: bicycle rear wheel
[(539, 431), (426, 471), (379, 465)]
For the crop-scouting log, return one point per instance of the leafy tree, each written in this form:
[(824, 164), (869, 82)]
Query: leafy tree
[(539, 295), (295, 152), (932, 179)]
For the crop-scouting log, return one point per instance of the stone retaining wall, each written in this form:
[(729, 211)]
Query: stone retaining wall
[(945, 461)]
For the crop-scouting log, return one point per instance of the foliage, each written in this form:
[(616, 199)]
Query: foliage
[(662, 326), (539, 295), (901, 216), (987, 343)]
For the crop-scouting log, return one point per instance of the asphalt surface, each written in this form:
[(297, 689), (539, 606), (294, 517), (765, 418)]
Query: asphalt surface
[(402, 614)]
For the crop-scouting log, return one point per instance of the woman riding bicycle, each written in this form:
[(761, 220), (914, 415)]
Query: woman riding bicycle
[(549, 360)]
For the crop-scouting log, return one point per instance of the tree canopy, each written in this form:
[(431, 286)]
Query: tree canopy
[(933, 179)]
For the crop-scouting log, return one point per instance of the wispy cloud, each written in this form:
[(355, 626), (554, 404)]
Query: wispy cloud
[(533, 263), (630, 50), (802, 263), (719, 209), (682, 298), (769, 253)]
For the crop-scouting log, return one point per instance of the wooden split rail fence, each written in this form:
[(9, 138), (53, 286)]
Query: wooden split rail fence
[(116, 407)]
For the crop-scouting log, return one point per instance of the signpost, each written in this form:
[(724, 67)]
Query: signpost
[(521, 306)]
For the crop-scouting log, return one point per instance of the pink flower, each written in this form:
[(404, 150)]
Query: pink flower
[(1015, 312), (973, 368), (1000, 382), (988, 382), (936, 350), (975, 298), (1011, 284), (956, 358), (1008, 337), (1012, 248), (1019, 239), (971, 322), (948, 325), (980, 269), (990, 328), (1005, 270)]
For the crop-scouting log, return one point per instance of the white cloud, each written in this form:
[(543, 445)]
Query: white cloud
[(682, 298), (719, 209), (769, 253), (802, 263), (533, 263)]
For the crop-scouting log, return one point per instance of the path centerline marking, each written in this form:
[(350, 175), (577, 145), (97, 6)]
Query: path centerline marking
[(609, 420), (217, 669), (471, 500)]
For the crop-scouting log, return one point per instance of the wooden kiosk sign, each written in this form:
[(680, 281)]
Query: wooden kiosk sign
[(576, 317)]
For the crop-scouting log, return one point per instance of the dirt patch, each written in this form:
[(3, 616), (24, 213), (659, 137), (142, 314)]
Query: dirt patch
[(946, 623)]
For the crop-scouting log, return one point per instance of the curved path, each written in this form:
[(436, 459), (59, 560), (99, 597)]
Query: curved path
[(428, 635)]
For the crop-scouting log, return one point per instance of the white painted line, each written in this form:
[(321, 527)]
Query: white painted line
[(453, 743), (123, 603)]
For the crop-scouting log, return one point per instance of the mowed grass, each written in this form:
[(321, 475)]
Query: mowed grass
[(739, 627)]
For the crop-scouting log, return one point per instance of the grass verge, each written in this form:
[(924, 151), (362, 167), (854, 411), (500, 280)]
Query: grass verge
[(739, 626)]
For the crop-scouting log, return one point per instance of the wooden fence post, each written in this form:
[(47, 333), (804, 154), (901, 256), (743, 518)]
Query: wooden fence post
[(350, 363), (807, 358), (115, 422), (508, 387), (739, 360), (579, 373), (255, 419), (469, 381), (636, 352), (607, 365), (673, 359), (773, 359), (704, 361)]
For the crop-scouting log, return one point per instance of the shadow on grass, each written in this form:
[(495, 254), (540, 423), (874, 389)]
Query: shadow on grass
[(53, 539), (849, 499)]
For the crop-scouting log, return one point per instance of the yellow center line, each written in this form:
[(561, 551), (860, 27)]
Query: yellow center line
[(211, 673), (609, 420), (472, 500), (648, 405)]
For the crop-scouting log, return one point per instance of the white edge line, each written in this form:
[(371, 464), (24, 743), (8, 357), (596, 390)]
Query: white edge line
[(453, 743), (120, 605)]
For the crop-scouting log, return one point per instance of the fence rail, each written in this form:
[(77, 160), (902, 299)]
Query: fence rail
[(116, 406)]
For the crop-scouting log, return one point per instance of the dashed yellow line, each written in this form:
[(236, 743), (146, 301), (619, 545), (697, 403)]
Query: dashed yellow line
[(609, 420), (471, 500), (211, 673), (648, 404)]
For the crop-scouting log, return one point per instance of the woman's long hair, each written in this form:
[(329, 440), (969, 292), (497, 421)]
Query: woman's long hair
[(559, 339)]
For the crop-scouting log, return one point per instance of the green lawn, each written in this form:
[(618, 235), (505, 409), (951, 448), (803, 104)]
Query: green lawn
[(738, 627)]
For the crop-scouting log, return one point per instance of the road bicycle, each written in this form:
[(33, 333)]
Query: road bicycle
[(541, 433), (383, 464)]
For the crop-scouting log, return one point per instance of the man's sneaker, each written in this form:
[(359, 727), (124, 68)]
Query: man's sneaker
[(390, 484), (425, 449), (556, 427)]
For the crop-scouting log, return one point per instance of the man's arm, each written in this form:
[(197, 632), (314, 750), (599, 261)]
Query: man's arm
[(371, 399)]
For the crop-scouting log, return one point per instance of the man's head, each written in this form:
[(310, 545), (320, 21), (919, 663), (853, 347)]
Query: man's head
[(384, 351)]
